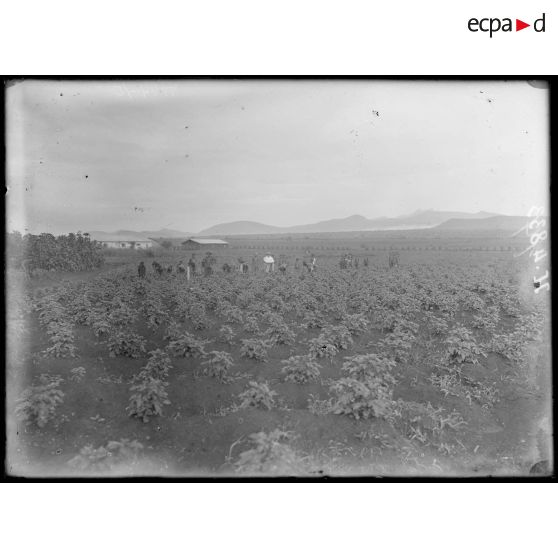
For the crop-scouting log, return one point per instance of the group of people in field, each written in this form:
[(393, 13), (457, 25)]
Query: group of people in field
[(160, 270), (308, 263), (349, 261), (206, 267)]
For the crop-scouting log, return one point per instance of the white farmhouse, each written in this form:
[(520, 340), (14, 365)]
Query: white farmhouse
[(122, 240), (198, 243)]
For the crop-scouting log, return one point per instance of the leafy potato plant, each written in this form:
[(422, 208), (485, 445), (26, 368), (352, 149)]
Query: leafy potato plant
[(62, 338), (251, 324), (355, 323), (158, 365), (121, 314), (340, 336), (280, 334), (398, 344), (149, 396), (77, 374), (507, 345), (300, 369), (357, 399), (187, 346), (435, 324), (367, 389), (50, 309), (154, 310), (173, 331), (232, 315), (148, 388), (313, 320), (462, 347), (81, 309), (369, 368), (38, 403), (321, 347), (227, 334), (126, 343), (511, 305), (100, 326), (198, 316), (487, 320), (258, 395), (255, 349), (217, 364)]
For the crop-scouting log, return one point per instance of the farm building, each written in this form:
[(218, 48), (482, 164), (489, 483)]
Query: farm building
[(198, 243), (118, 240)]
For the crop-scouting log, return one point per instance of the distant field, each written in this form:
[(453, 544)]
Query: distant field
[(372, 244)]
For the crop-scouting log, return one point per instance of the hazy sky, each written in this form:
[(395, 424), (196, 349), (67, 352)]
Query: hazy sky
[(111, 155)]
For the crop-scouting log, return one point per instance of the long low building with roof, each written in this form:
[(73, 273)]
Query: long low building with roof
[(198, 243), (122, 240)]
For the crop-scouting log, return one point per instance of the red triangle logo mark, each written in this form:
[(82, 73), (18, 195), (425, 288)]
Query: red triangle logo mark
[(519, 25)]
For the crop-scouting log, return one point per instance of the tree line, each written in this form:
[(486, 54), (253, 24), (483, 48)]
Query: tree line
[(70, 252)]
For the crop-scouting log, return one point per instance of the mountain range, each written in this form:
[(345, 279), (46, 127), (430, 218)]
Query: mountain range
[(420, 219)]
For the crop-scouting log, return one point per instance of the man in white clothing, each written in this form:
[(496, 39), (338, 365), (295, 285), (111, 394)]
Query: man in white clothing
[(269, 262)]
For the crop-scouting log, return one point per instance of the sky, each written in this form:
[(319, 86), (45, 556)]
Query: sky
[(190, 154)]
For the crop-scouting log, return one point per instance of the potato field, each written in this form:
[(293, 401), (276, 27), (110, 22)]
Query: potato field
[(439, 366)]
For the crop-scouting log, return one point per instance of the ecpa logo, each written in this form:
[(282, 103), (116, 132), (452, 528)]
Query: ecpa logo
[(494, 24)]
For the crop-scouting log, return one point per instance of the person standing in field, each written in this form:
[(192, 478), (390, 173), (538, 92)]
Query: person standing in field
[(207, 264), (269, 262), (141, 270), (255, 263), (309, 262), (192, 265), (180, 267), (297, 264)]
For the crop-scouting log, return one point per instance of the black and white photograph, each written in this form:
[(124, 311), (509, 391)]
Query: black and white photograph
[(264, 278)]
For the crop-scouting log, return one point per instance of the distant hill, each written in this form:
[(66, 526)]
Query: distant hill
[(240, 227), (352, 223), (499, 222), (166, 233), (161, 233), (418, 219), (431, 217)]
